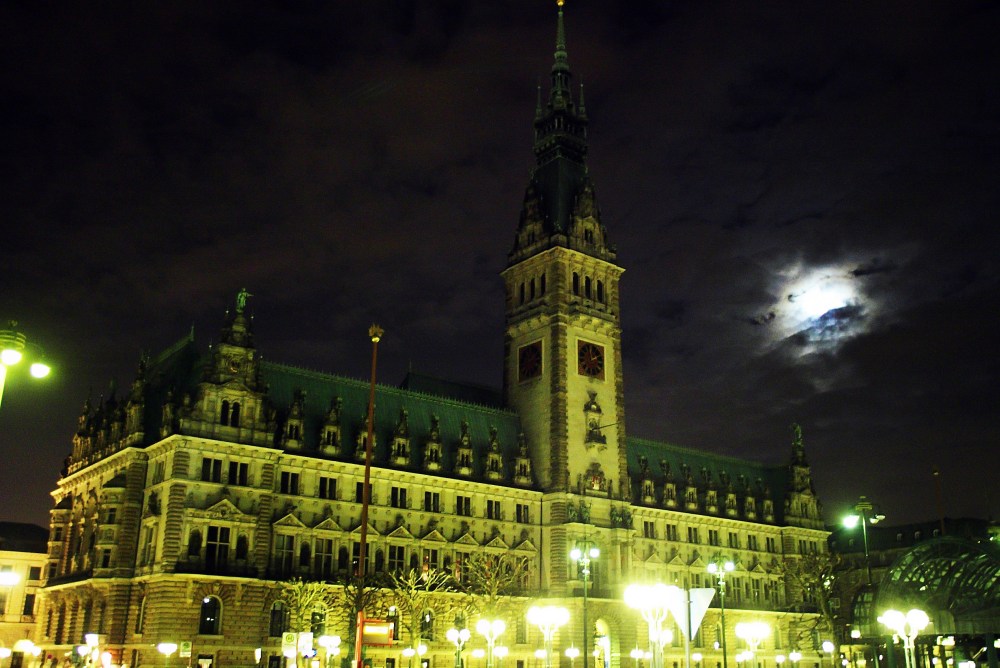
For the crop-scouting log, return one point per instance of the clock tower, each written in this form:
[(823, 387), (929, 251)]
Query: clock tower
[(562, 344)]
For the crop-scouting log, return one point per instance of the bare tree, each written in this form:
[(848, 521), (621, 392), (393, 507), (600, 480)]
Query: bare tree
[(812, 582), (417, 593), (353, 596), (491, 581), (302, 599)]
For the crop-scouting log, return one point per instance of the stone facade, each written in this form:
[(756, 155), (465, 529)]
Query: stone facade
[(186, 503)]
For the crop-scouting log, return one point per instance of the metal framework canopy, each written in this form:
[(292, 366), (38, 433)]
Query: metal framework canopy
[(957, 582)]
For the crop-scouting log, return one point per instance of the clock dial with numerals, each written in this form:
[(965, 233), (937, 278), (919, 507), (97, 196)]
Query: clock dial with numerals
[(590, 360), (529, 361)]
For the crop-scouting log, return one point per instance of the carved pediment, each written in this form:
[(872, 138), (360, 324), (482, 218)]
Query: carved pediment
[(498, 543), (328, 525), (290, 520), (466, 539), (675, 559), (526, 546), (434, 536), (697, 561), (372, 531), (654, 558), (400, 532)]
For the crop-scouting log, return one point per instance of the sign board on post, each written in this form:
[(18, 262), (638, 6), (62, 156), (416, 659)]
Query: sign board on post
[(185, 646), (288, 643)]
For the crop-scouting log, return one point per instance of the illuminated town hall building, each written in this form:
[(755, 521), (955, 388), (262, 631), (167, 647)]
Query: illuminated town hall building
[(186, 502)]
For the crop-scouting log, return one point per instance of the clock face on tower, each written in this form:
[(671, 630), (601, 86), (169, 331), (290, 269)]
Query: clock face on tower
[(590, 360), (529, 361)]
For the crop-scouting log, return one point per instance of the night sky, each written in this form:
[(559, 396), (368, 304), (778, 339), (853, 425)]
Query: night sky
[(804, 196)]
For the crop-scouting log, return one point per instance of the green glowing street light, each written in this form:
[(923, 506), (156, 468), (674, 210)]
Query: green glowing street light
[(12, 347)]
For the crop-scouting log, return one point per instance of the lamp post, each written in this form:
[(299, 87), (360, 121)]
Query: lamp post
[(571, 654), (907, 627), (828, 647), (501, 652), (490, 629), (166, 649), (330, 645), (753, 633), (719, 568), (582, 555), (458, 637), (12, 346), (863, 515), (636, 654), (651, 602), (548, 619)]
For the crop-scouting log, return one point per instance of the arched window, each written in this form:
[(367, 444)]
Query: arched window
[(242, 547), (224, 413), (542, 286), (317, 623), (305, 555), (600, 291), (342, 559), (576, 283), (194, 544), (277, 622), (586, 287), (531, 292), (210, 620), (521, 290), (427, 625), (379, 561), (234, 415), (414, 563)]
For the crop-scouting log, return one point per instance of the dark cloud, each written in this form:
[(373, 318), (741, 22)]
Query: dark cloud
[(355, 162)]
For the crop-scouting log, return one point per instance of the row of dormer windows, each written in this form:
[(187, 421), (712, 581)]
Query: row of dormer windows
[(589, 288)]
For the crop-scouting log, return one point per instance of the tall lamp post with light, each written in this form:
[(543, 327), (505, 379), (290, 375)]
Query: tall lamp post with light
[(548, 619), (907, 627), (582, 555), (458, 637), (490, 629), (719, 568), (12, 348), (864, 516), (651, 602)]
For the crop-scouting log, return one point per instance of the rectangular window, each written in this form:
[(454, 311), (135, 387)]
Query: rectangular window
[(522, 513), (111, 516), (149, 545), (289, 482), (284, 549), (431, 559), (158, 473), (35, 573), (713, 537), (397, 498), (752, 542), (734, 540), (492, 509), (324, 557), (216, 547), (463, 505), (29, 605), (397, 558), (755, 584), (802, 547), (770, 544), (648, 529), (105, 558), (359, 491), (693, 535), (327, 487), (239, 473), (211, 469), (432, 502), (671, 532)]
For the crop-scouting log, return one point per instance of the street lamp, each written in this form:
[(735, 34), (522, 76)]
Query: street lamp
[(582, 555), (166, 649), (548, 619), (863, 515), (571, 654), (719, 568), (651, 602), (12, 347), (501, 652), (490, 629), (419, 650), (458, 637), (795, 656), (637, 655), (907, 627), (753, 633), (330, 645), (828, 647)]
